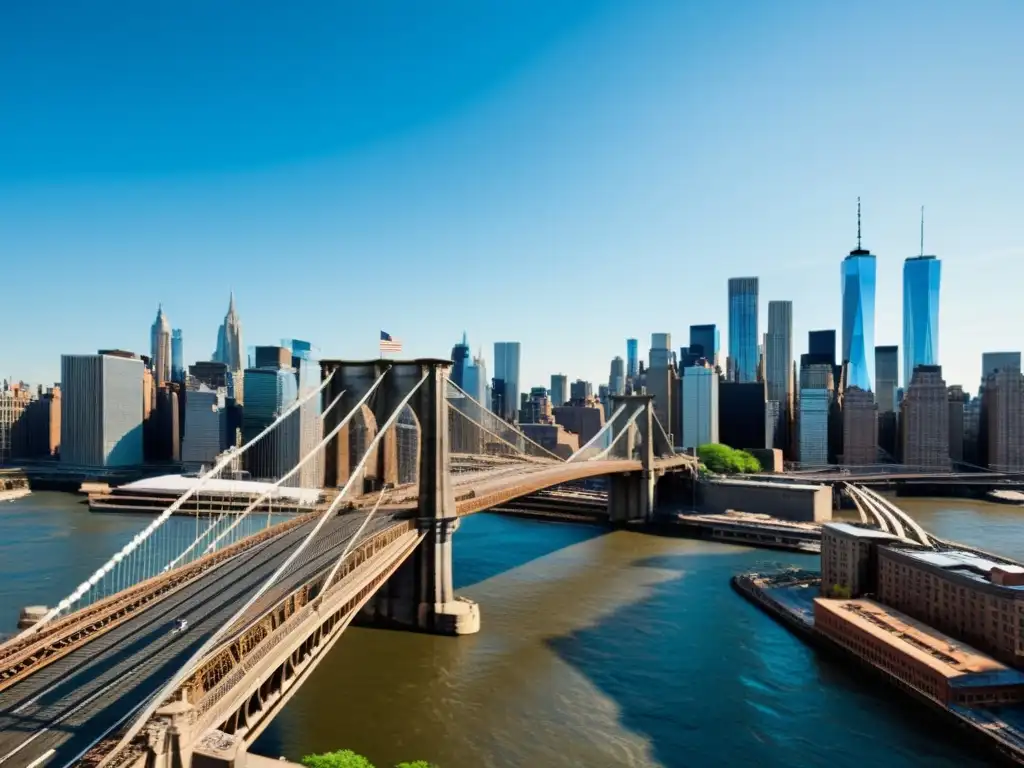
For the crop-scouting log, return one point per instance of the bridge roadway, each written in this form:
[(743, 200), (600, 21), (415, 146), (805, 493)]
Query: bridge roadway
[(73, 702)]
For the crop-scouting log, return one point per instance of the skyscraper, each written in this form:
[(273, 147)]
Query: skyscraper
[(229, 340), (743, 336), (816, 393), (858, 287), (160, 347), (700, 406), (632, 358), (559, 389), (617, 377), (778, 351), (925, 419), (822, 344), (921, 279), (177, 357), (886, 377), (101, 410), (506, 368), (460, 359), (707, 338)]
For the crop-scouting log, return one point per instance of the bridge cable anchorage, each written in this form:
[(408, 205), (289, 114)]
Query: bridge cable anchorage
[(238, 518), (130, 573), (599, 441), (494, 425), (211, 642)]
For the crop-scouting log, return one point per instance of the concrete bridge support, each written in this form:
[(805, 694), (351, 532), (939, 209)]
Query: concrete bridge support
[(631, 497), (420, 595)]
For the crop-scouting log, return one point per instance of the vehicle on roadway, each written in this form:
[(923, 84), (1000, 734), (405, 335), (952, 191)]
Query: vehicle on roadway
[(180, 625)]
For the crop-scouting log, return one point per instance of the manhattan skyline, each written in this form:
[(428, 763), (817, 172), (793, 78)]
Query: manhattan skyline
[(572, 143)]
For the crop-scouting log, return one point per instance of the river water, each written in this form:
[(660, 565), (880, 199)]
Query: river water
[(596, 649)]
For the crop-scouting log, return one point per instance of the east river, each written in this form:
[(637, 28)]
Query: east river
[(596, 649)]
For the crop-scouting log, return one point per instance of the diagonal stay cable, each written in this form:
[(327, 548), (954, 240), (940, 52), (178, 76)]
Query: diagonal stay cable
[(480, 426), (277, 484), (590, 443), (622, 433), (141, 537), (214, 639), (467, 396)]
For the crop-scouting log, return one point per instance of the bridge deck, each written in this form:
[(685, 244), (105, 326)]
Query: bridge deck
[(69, 704)]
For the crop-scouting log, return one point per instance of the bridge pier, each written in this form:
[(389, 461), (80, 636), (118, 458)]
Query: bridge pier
[(631, 497), (419, 596)]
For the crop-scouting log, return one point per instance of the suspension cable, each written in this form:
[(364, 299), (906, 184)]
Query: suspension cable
[(215, 638)]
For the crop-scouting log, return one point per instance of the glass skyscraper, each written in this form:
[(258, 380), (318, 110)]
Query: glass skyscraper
[(177, 356), (921, 278), (706, 337), (632, 359), (858, 286), (506, 368), (743, 338)]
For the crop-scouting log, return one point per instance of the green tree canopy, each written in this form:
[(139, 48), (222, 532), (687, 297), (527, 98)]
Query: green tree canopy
[(343, 758), (416, 764), (723, 460)]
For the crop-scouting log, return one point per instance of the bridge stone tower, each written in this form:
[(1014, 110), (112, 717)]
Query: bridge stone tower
[(631, 496), (420, 595)]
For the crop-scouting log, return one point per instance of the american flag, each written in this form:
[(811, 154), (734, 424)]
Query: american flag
[(389, 343)]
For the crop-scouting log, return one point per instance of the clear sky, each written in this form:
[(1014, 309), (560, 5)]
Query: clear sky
[(558, 172)]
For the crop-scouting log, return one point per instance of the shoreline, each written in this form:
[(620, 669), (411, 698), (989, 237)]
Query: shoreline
[(14, 494), (983, 731)]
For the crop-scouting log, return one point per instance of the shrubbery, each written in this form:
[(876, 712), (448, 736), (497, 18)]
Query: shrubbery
[(723, 460), (346, 758)]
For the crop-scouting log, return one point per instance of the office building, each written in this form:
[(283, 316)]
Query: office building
[(741, 415), (163, 442), (160, 348), (475, 381), (699, 406), (14, 401), (660, 380), (177, 357), (206, 428), (858, 292), (559, 389), (887, 369), (617, 377), (849, 558), (214, 375), (460, 359), (860, 427), (552, 437), (269, 392), (976, 598), (632, 358), (743, 334), (778, 367), (708, 339), (584, 420), (229, 340), (816, 395), (922, 276), (1003, 406), (101, 410), (957, 401), (506, 368), (822, 344), (995, 361), (924, 420), (305, 363), (581, 392)]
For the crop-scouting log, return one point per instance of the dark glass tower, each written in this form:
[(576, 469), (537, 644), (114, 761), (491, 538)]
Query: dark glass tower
[(858, 287), (743, 337)]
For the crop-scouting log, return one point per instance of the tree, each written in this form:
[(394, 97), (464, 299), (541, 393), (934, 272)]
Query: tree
[(416, 764), (343, 758), (723, 460)]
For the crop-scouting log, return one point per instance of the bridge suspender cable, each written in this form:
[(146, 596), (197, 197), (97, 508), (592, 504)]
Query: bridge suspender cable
[(83, 588), (624, 431), (215, 638), (600, 432), (238, 518)]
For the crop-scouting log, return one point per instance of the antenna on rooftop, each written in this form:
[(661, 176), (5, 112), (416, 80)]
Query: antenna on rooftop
[(858, 223)]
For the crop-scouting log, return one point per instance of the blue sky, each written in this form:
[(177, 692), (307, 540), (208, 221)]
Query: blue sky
[(562, 173)]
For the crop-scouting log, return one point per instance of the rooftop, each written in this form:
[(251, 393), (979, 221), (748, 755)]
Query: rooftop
[(849, 529), (175, 485), (965, 563), (961, 664)]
